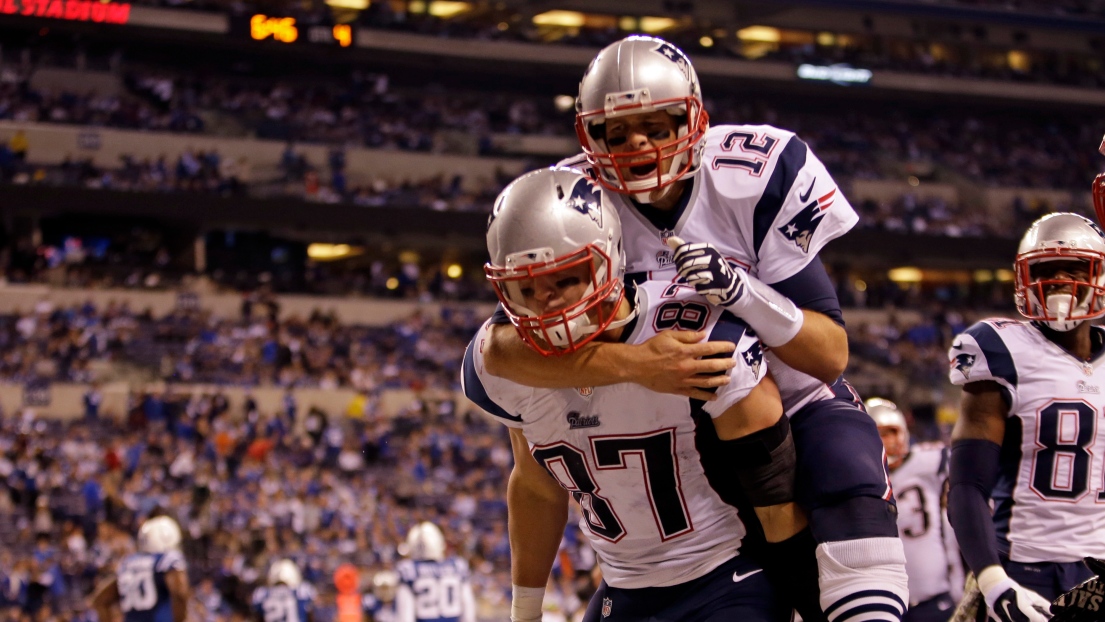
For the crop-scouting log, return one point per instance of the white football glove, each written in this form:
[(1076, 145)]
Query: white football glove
[(703, 267), (1009, 601)]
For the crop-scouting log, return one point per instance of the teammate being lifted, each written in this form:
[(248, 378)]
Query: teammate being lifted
[(1028, 433), (756, 207)]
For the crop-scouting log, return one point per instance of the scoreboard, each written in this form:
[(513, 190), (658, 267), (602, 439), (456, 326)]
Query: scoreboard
[(287, 30)]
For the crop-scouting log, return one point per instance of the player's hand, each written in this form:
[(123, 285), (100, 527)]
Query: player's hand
[(1084, 602), (675, 361), (1010, 601), (703, 267)]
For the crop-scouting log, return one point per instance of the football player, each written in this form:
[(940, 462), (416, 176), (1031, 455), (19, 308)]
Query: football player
[(286, 598), (755, 206), (432, 587), (1027, 436), (152, 584), (652, 472), (919, 474), (379, 604)]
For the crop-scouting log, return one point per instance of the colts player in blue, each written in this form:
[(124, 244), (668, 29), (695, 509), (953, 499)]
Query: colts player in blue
[(287, 598), (152, 584), (432, 587), (755, 206), (1029, 432)]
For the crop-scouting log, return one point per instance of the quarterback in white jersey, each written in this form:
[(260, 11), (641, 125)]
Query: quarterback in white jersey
[(919, 474), (739, 212), (651, 472), (1028, 433)]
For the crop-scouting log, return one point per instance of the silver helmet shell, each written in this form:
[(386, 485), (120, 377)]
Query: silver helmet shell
[(549, 222), (160, 534), (285, 571), (425, 541), (889, 418), (1061, 303), (637, 75)]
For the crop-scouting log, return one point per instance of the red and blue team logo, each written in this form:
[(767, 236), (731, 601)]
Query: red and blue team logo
[(963, 363), (607, 605), (754, 357), (586, 200), (801, 228)]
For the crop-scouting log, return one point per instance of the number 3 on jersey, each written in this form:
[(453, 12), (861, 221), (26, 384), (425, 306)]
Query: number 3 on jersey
[(1061, 467)]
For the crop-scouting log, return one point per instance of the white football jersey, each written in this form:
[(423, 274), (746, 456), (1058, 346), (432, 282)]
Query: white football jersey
[(1049, 502), (631, 457), (932, 558), (766, 202)]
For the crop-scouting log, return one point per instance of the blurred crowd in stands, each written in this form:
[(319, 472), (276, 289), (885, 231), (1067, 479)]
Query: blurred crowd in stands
[(247, 488)]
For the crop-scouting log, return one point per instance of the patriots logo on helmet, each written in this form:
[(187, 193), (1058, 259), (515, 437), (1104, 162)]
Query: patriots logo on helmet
[(754, 357), (586, 200), (963, 363), (801, 228), (675, 55)]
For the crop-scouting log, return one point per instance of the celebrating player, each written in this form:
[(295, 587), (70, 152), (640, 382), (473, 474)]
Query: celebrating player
[(287, 598), (432, 587), (755, 206), (152, 584), (651, 472), (1027, 433), (919, 474)]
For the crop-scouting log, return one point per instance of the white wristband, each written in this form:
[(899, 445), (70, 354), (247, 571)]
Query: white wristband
[(991, 578), (774, 317), (525, 603)]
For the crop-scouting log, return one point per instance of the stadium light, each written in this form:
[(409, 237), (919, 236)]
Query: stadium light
[(763, 34), (568, 19), (905, 275)]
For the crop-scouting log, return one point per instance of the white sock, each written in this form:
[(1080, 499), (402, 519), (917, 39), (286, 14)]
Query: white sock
[(863, 580)]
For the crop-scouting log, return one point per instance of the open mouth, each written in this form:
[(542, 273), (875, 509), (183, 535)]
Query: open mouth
[(643, 169)]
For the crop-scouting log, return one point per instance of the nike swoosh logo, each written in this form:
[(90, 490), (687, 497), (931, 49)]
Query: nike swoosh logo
[(806, 197), (957, 346), (737, 578), (1005, 606)]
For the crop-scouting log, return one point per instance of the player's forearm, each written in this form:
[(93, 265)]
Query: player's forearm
[(596, 364), (974, 471), (536, 518), (820, 348), (180, 608)]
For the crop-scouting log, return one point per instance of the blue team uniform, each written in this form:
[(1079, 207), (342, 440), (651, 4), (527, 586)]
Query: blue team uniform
[(378, 610), (143, 594), (280, 603), (438, 588)]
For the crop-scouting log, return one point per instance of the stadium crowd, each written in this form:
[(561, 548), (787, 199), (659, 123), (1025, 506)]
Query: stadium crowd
[(323, 491)]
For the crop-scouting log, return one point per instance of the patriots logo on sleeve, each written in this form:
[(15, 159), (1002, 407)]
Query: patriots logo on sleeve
[(801, 228), (753, 358), (963, 362), (586, 200)]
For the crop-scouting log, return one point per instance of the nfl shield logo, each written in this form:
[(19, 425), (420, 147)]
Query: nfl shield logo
[(606, 605), (585, 391)]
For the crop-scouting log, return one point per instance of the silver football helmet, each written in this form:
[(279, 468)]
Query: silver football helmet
[(385, 583), (889, 418), (160, 534), (1061, 303), (554, 226), (636, 75), (425, 541), (285, 571)]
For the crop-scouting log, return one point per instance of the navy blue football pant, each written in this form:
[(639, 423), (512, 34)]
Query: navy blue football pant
[(1047, 579), (842, 482), (734, 591), (936, 609)]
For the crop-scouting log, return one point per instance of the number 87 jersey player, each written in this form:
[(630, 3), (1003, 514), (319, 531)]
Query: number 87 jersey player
[(654, 473), (1029, 431)]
